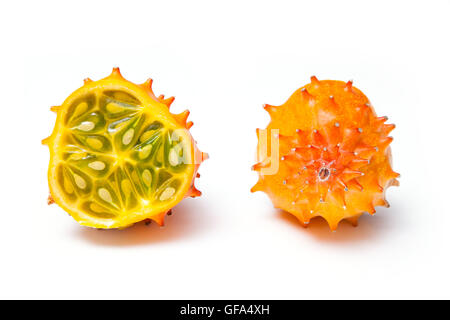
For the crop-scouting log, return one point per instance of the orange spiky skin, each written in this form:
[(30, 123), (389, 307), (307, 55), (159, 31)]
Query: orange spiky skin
[(145, 89), (334, 155)]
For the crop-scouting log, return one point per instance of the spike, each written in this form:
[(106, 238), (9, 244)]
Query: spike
[(333, 224), (385, 142), (260, 165), (55, 108), (116, 73), (348, 174), (387, 128), (357, 163), (315, 81), (194, 192), (159, 218), (205, 156), (381, 203), (371, 209), (189, 124), (148, 84), (364, 152), (86, 81), (355, 185), (380, 120), (182, 117), (50, 200), (45, 141), (270, 109), (305, 93), (349, 85), (168, 102), (257, 187)]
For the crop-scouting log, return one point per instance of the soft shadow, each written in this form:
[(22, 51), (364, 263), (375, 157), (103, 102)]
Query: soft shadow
[(369, 227), (188, 219)]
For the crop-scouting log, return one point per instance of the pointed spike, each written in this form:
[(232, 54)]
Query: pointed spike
[(257, 132), (147, 86), (50, 200), (358, 163), (381, 203), (116, 73), (387, 128), (182, 117), (257, 187), (161, 97), (148, 83), (189, 124), (385, 142), (159, 218), (194, 192), (259, 166), (86, 81), (205, 156), (270, 109), (55, 108), (304, 224), (355, 185), (342, 183), (395, 183), (45, 141), (371, 209), (349, 85), (333, 224), (314, 80), (305, 93), (349, 174), (197, 175), (168, 102)]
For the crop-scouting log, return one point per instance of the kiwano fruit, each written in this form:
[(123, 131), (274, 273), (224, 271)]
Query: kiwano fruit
[(329, 154), (118, 156)]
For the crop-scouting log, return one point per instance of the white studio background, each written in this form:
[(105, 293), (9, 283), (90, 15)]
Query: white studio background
[(222, 61)]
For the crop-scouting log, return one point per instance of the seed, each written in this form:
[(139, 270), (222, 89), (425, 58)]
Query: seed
[(169, 192), (147, 134), (80, 109), (86, 126), (135, 177), (96, 208), (94, 143), (77, 156), (113, 107), (126, 187), (68, 186), (79, 181), (145, 151), (97, 165), (104, 194), (173, 157), (147, 177), (128, 136)]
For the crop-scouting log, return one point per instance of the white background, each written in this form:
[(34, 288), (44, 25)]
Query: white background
[(223, 60)]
